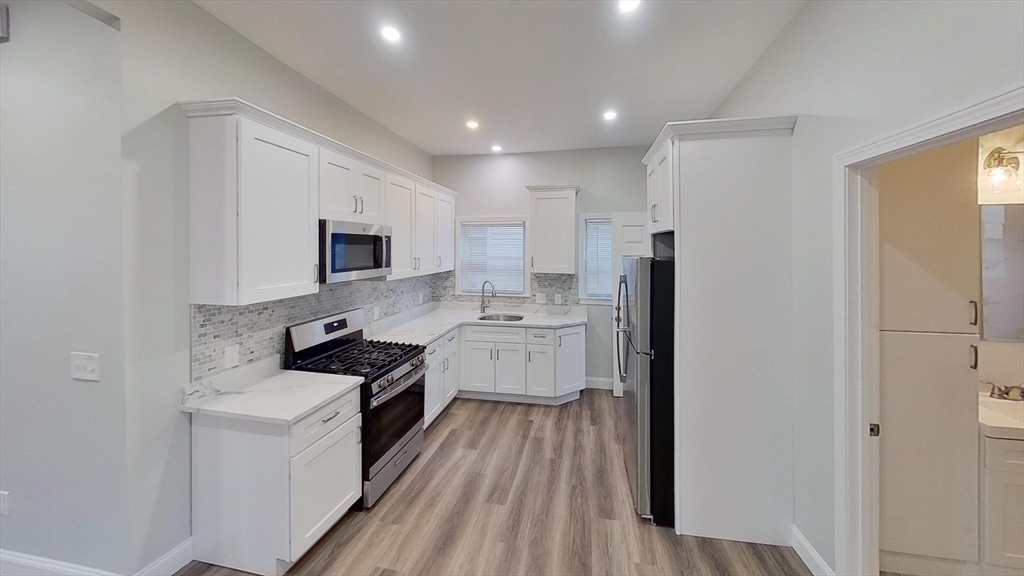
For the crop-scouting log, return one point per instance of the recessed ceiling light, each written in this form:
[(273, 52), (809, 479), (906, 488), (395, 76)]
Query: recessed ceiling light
[(391, 34), (472, 124), (495, 148), (628, 5), (610, 115)]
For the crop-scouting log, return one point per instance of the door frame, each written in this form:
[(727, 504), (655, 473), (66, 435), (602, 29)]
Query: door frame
[(855, 285)]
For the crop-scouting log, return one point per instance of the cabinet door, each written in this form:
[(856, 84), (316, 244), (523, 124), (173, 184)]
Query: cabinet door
[(510, 368), (451, 376), (478, 372), (445, 232), (338, 198), (1004, 519), (369, 190), (540, 370), (398, 212), (553, 232), (652, 193), (326, 479), (570, 367), (425, 250), (663, 206), (930, 241), (432, 393), (928, 409), (278, 206)]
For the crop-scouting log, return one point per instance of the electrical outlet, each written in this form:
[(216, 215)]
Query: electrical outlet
[(558, 299), (542, 298), (376, 312), (85, 366), (421, 297), (231, 355), (5, 503)]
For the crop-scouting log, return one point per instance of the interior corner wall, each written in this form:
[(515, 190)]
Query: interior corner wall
[(853, 72)]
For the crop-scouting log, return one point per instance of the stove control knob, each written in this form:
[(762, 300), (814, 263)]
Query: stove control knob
[(390, 379)]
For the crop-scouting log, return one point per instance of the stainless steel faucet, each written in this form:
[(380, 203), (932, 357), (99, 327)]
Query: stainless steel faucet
[(1015, 393), (484, 305)]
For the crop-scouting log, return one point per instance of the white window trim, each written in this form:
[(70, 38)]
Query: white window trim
[(581, 257), (527, 269)]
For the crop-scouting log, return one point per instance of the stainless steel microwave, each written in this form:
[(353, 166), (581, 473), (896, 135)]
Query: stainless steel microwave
[(353, 251)]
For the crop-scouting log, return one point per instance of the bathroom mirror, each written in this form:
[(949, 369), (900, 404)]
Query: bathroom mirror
[(1002, 272)]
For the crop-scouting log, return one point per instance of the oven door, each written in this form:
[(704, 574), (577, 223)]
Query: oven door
[(393, 417), (351, 251)]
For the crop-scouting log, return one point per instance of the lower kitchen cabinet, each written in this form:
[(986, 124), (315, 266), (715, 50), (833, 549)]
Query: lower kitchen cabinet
[(1003, 503), (540, 370), (432, 394), (570, 360), (499, 360), (442, 378), (510, 368), (451, 376), (478, 367)]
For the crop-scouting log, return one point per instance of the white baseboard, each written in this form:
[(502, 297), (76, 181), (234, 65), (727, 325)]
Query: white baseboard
[(599, 383), (815, 563), (174, 560), (20, 564)]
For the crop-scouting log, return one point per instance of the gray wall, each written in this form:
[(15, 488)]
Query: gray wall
[(923, 59), (610, 179)]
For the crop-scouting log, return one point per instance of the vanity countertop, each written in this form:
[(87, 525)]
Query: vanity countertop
[(431, 326), (1001, 418), (278, 397)]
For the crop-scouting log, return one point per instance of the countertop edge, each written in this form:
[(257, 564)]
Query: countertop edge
[(461, 323), (193, 409)]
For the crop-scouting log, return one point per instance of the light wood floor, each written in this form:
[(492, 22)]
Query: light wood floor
[(515, 489)]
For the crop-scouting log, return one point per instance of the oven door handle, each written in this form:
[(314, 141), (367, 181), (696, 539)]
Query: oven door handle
[(398, 387)]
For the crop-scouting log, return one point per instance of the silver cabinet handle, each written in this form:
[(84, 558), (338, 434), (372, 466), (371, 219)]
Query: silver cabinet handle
[(974, 304), (438, 261), (652, 213), (559, 341), (531, 261), (655, 212), (492, 354), (316, 272), (355, 199), (431, 353), (359, 434), (498, 354), (529, 356), (451, 338), (974, 361), (331, 417), (362, 205)]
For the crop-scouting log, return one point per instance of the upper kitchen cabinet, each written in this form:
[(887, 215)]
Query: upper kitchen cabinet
[(399, 215), (425, 229), (350, 191), (253, 204), (445, 233), (422, 224), (553, 228), (659, 190)]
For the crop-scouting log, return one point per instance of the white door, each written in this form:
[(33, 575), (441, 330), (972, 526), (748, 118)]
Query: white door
[(478, 367), (432, 393), (445, 232), (629, 238), (553, 232), (540, 370), (510, 368), (569, 360), (663, 207), (369, 190), (425, 249), (451, 376), (398, 212), (928, 448), (930, 241), (338, 198), (326, 479), (278, 207)]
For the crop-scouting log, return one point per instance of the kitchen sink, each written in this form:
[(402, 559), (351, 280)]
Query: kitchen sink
[(501, 317)]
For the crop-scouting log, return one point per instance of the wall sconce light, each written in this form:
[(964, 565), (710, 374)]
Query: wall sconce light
[(1002, 165)]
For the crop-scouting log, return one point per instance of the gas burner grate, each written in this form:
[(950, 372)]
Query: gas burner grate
[(363, 358)]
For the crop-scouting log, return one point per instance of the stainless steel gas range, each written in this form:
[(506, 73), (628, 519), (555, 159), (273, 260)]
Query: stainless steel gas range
[(392, 393)]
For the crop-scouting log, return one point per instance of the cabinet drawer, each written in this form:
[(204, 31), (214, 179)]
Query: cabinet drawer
[(451, 340), (540, 336), (307, 431), (496, 334), (1004, 455), (435, 350)]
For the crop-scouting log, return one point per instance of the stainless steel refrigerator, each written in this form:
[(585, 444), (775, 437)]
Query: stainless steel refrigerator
[(645, 311)]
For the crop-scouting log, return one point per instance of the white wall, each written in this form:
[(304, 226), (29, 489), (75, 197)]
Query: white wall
[(62, 442), (610, 179), (865, 68)]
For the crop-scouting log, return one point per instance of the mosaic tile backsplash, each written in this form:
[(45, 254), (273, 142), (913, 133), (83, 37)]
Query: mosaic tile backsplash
[(259, 328)]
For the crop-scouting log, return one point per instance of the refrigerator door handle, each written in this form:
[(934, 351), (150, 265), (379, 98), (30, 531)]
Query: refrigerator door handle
[(618, 325)]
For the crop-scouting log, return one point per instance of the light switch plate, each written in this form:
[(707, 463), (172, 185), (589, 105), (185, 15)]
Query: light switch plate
[(558, 299), (542, 298), (85, 366), (421, 297), (231, 355), (376, 312)]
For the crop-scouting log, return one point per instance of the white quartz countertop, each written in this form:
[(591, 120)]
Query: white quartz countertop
[(280, 397), (433, 325), (1001, 418)]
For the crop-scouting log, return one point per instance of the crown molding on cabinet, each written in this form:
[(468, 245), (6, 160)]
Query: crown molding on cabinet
[(228, 106), (719, 127), (554, 188)]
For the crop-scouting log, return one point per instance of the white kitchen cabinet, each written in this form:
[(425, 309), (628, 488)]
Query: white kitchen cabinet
[(350, 191), (540, 370), (425, 231), (1003, 513), (570, 360), (652, 194), (253, 202), (445, 233), (478, 367), (433, 395), (399, 214), (552, 230), (662, 203), (510, 368), (451, 376)]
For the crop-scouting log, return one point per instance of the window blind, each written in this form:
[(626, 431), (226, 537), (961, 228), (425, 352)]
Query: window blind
[(598, 258), (494, 251)]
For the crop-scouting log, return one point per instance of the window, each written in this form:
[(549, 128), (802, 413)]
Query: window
[(494, 251), (597, 259)]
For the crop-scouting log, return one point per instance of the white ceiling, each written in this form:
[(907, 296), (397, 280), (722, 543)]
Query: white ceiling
[(536, 75)]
